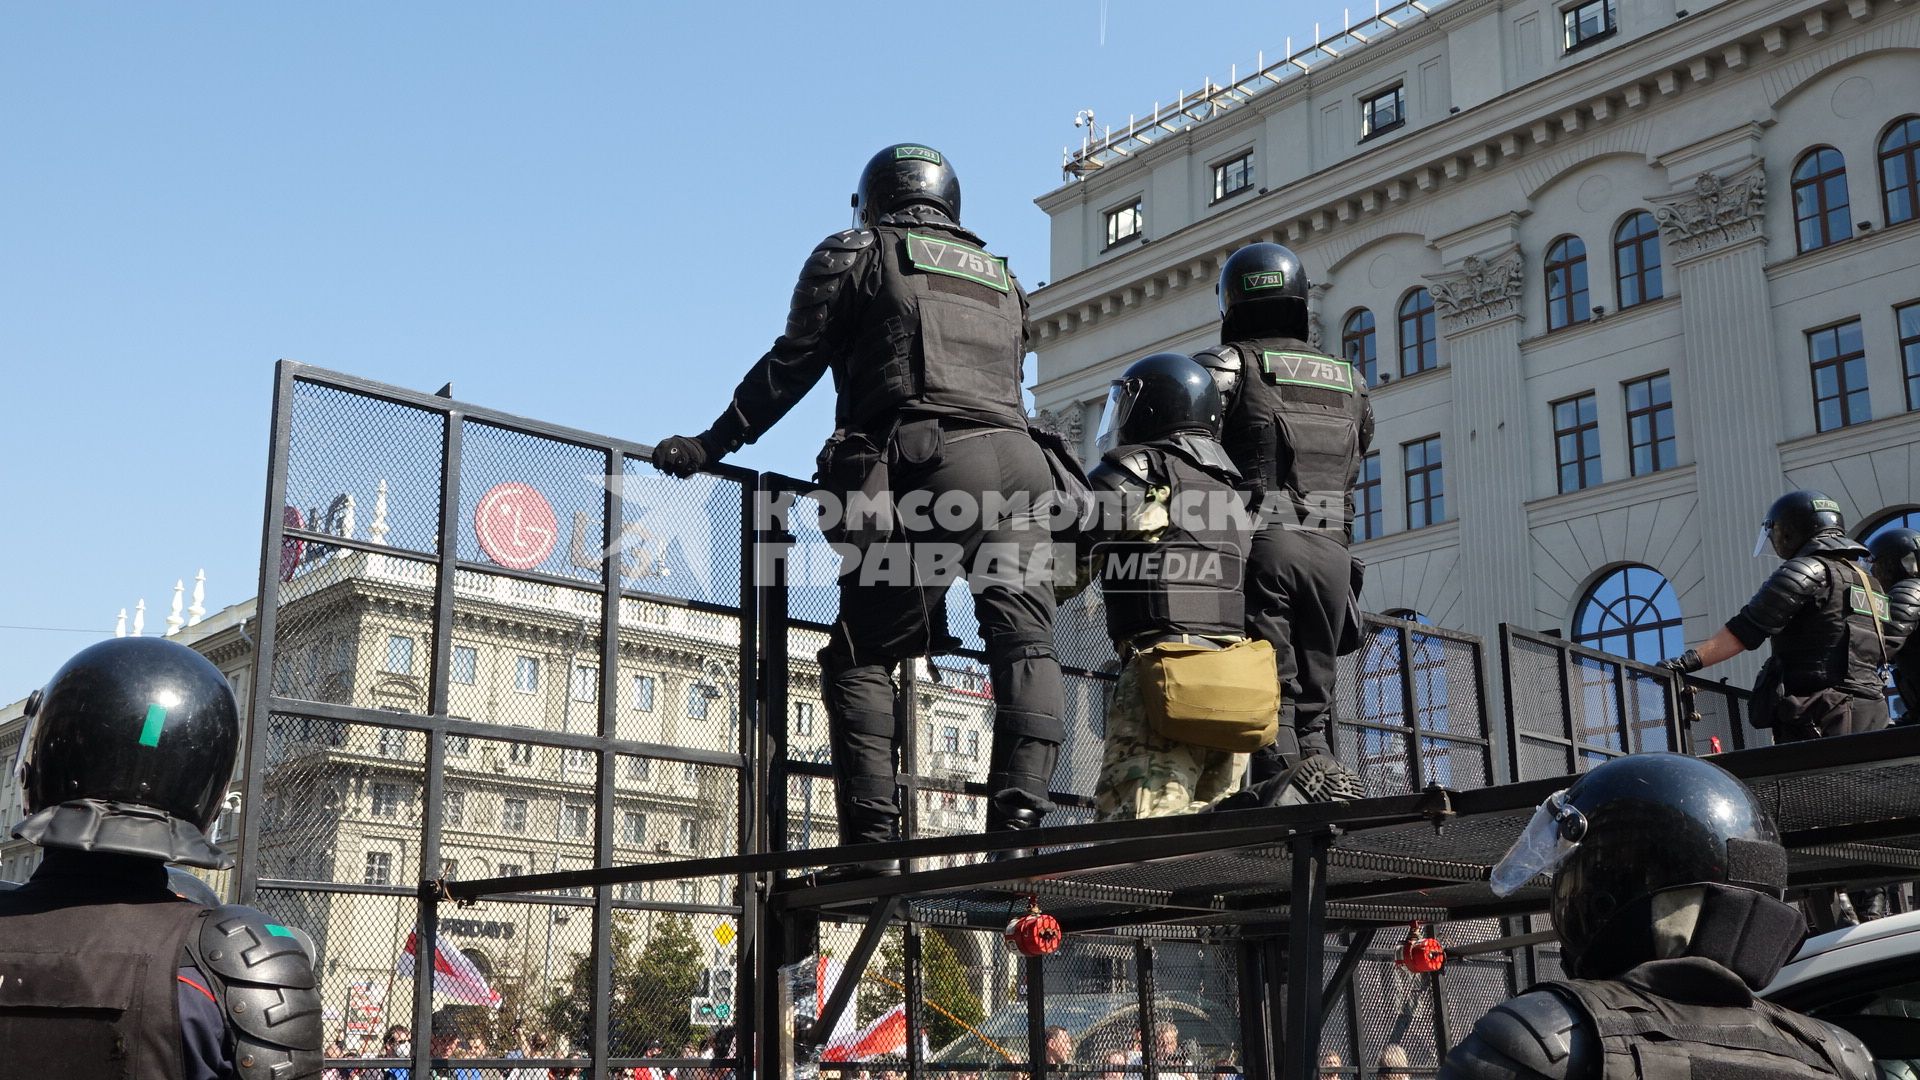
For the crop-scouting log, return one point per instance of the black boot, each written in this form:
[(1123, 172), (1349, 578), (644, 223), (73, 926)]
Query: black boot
[(1019, 783), (1320, 778)]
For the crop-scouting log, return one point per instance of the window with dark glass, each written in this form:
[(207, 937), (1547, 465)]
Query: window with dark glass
[(1650, 444), (455, 812), (1426, 483), (392, 743), (526, 674), (1900, 170), (803, 718), (1576, 441), (1419, 334), (586, 683), (1233, 177), (1636, 259), (1633, 612), (950, 739), (513, 815), (1360, 345), (633, 827), (575, 818), (386, 800), (463, 666), (1124, 223), (399, 655), (1839, 361), (379, 869), (698, 695), (643, 693), (1907, 321), (1383, 111), (1567, 301), (1590, 21), (1366, 499), (520, 753), (1820, 212)]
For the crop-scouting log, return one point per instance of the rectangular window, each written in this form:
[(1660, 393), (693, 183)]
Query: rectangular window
[(1590, 22), (392, 743), (1426, 483), (973, 744), (950, 739), (1383, 112), (520, 753), (639, 768), (463, 666), (513, 815), (1124, 223), (633, 827), (1908, 321), (526, 674), (386, 800), (586, 683), (456, 808), (643, 693), (1839, 361), (1230, 178), (379, 869), (803, 718), (686, 834), (1367, 509), (459, 745), (1576, 441), (574, 819), (633, 890), (1650, 424), (399, 655), (697, 700), (577, 761), (509, 869)]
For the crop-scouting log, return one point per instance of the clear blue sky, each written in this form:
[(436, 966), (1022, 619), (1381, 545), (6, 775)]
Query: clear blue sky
[(586, 213)]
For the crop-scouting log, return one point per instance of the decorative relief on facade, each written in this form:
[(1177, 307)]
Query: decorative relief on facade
[(1316, 299), (1068, 422), (1481, 291), (1714, 212)]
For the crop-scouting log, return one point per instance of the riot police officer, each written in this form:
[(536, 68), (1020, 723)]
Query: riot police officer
[(1667, 884), (925, 333), (1298, 422), (1896, 566), (1170, 552), (1830, 628), (124, 763)]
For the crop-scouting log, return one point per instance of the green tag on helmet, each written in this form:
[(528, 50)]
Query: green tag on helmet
[(916, 153), (1827, 505), (1264, 279)]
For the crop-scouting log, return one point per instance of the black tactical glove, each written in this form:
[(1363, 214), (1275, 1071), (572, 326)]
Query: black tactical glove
[(682, 456), (1685, 664)]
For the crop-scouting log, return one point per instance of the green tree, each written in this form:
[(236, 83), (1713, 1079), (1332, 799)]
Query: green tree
[(945, 984), (653, 988)]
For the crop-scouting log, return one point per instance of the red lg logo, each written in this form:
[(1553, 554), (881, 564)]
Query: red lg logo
[(515, 526)]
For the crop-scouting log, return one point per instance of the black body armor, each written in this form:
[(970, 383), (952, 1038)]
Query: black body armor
[(1903, 608), (1829, 625), (1665, 1019), (1199, 567), (264, 982), (1297, 424)]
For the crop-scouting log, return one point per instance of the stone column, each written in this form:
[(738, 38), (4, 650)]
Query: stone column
[(1714, 246), (1487, 453)]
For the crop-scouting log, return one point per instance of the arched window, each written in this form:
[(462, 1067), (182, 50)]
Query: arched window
[(1359, 344), (1636, 259), (1419, 337), (1898, 519), (1900, 170), (1633, 612), (1820, 212), (1567, 283)]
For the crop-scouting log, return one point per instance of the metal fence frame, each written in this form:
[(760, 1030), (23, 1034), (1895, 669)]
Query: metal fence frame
[(1567, 656)]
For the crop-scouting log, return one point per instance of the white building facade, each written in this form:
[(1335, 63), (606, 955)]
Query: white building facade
[(1619, 273)]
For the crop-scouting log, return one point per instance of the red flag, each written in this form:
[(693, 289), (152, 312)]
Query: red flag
[(453, 974)]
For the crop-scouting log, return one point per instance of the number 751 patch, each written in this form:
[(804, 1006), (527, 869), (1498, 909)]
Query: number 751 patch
[(1306, 369), (955, 259)]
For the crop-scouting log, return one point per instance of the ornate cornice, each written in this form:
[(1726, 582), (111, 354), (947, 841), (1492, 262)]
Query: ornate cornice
[(1069, 422), (1715, 212), (1480, 292)]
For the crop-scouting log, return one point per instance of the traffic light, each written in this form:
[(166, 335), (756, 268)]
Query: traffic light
[(720, 982)]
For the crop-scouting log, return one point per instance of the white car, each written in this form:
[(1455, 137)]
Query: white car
[(1866, 979)]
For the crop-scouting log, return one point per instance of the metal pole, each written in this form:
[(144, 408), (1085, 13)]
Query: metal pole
[(1256, 1053), (279, 437), (1306, 937), (1143, 969), (1036, 1016), (916, 997)]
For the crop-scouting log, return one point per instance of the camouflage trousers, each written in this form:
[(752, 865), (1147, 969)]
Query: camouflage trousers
[(1143, 774)]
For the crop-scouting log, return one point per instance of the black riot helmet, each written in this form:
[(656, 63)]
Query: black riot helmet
[(129, 749), (1794, 519), (1896, 555), (1263, 293), (901, 175), (1160, 395), (1632, 828)]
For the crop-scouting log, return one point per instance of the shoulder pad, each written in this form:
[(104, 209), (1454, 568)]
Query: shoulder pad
[(1851, 1054), (1135, 462), (1803, 571), (1117, 472), (837, 253), (1219, 358), (1538, 1034), (266, 988), (848, 240)]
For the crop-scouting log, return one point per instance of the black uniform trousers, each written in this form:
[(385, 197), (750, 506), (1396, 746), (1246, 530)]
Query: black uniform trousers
[(1298, 581), (893, 608)]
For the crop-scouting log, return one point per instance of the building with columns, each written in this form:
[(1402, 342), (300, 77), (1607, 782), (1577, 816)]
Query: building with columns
[(1618, 272)]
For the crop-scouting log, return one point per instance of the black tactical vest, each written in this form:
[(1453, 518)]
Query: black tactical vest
[(1295, 426), (944, 335), (87, 989), (1833, 642), (1645, 1036), (1192, 579)]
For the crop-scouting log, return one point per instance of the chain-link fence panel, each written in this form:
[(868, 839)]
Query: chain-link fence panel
[(360, 957), (666, 809), (363, 468), (1571, 707), (518, 804), (679, 538), (532, 504), (1206, 976), (679, 680), (1411, 688), (525, 654), (355, 628), (1395, 1013), (1723, 719), (340, 802)]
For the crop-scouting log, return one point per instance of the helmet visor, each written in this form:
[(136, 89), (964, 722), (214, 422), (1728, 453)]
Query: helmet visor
[(1120, 401), (1551, 835), (1764, 544)]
